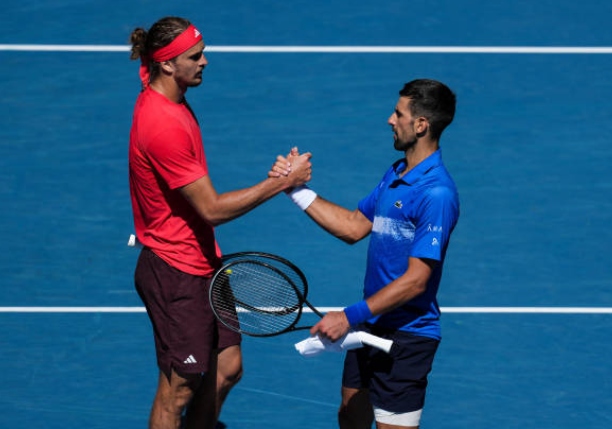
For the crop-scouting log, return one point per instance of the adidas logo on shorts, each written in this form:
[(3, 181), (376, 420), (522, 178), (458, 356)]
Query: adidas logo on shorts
[(190, 359)]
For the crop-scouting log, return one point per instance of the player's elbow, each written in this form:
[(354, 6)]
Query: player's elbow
[(413, 288), (350, 237), (420, 288), (215, 220), (355, 228), (410, 292), (354, 233), (214, 212), (212, 216)]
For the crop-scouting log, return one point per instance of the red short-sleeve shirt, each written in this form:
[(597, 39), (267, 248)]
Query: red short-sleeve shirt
[(166, 153)]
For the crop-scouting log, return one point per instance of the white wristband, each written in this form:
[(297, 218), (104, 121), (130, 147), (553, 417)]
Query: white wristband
[(302, 196)]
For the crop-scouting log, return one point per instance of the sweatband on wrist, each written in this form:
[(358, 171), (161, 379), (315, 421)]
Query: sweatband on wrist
[(302, 196), (358, 313)]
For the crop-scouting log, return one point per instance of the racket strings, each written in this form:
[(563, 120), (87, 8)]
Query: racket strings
[(275, 262), (255, 298)]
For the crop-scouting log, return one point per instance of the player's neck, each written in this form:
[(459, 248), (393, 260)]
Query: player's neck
[(419, 152), (169, 89)]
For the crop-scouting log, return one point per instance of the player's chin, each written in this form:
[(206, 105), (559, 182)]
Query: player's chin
[(399, 145), (196, 81)]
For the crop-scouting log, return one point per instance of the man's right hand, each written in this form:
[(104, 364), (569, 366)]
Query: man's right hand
[(296, 168)]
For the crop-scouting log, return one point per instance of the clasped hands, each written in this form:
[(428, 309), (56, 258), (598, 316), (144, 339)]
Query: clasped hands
[(295, 166)]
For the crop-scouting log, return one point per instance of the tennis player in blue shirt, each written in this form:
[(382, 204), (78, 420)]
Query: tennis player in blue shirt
[(409, 217)]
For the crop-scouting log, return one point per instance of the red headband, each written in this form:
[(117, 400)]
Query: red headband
[(180, 44), (184, 41)]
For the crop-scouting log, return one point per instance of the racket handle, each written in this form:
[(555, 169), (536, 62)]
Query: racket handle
[(376, 342)]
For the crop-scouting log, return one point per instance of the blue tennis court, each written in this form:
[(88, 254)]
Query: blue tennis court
[(526, 293)]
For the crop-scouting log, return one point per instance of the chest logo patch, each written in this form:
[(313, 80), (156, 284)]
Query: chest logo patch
[(398, 204)]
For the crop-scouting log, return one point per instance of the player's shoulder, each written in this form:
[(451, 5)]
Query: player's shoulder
[(441, 192), (439, 186)]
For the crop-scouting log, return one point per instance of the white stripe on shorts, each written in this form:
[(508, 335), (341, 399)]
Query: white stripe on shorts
[(409, 419)]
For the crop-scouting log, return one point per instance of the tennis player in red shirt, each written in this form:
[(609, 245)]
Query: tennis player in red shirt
[(175, 208)]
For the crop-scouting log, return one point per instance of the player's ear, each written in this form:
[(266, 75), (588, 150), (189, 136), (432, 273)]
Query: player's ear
[(167, 66), (421, 125)]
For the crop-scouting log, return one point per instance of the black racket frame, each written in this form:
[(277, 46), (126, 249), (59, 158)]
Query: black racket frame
[(265, 259)]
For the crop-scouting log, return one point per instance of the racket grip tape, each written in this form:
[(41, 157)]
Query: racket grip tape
[(358, 313)]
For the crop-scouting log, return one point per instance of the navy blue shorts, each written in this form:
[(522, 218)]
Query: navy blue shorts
[(185, 329), (396, 381)]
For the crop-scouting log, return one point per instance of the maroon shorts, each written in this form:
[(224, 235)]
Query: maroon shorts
[(185, 329)]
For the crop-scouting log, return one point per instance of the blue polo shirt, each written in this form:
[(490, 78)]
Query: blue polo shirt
[(412, 216)]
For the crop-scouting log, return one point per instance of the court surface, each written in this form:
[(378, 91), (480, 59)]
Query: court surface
[(526, 292)]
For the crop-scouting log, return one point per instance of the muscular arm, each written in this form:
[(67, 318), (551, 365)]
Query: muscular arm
[(217, 208), (348, 226), (406, 287)]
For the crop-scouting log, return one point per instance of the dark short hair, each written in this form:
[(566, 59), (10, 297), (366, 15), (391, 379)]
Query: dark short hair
[(432, 100)]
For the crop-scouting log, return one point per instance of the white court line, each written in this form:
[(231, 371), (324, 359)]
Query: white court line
[(336, 49), (72, 310), (543, 310), (507, 310)]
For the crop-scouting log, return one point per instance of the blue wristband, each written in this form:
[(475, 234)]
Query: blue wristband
[(358, 313)]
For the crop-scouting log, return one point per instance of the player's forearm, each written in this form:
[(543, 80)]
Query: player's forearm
[(404, 288), (233, 204), (387, 299), (217, 209), (396, 294), (338, 221)]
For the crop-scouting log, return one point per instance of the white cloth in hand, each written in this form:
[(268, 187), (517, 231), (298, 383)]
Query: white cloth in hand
[(315, 345)]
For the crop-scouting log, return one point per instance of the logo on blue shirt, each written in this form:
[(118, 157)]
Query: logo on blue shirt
[(434, 228)]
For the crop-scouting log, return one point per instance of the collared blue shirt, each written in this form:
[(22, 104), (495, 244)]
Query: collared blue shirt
[(412, 216)]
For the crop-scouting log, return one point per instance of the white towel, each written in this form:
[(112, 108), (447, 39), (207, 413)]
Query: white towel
[(313, 346)]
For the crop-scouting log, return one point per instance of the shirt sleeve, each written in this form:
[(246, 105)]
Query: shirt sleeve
[(173, 157), (367, 205), (438, 214)]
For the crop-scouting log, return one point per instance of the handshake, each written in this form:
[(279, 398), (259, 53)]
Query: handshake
[(299, 168)]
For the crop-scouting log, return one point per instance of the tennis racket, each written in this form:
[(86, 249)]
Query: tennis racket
[(263, 295)]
